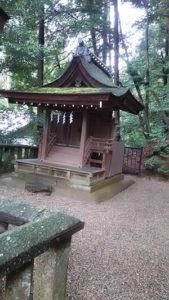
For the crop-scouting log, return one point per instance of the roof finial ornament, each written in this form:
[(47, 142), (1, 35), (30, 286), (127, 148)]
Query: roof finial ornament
[(82, 50)]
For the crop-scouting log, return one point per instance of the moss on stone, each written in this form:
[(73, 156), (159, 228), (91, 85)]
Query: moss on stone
[(22, 244)]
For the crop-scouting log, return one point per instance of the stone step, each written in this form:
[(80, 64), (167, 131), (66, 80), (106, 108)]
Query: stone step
[(64, 155), (69, 163), (65, 149)]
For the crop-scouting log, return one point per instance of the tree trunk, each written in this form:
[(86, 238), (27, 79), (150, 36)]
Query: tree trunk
[(147, 98), (109, 36), (105, 32), (94, 42), (165, 71), (116, 43), (116, 60), (41, 41), (91, 4), (40, 73)]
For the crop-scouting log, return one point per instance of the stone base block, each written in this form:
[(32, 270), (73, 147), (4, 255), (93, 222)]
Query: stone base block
[(100, 191), (105, 190)]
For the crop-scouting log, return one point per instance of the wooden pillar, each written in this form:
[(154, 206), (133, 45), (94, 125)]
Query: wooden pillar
[(113, 129), (45, 134), (83, 138)]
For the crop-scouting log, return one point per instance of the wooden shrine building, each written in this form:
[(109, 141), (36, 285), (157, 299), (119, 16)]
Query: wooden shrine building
[(78, 147)]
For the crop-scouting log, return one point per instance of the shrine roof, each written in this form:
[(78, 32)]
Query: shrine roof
[(92, 73), (72, 98), (87, 83)]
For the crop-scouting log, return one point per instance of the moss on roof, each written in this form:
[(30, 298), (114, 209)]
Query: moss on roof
[(78, 90)]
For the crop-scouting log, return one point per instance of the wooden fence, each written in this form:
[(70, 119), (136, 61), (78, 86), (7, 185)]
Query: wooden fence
[(9, 153), (132, 162), (134, 158)]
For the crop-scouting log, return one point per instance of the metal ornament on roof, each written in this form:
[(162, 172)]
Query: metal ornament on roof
[(82, 50), (78, 83)]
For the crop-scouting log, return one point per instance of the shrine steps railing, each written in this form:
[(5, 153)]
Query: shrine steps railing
[(51, 142), (98, 146)]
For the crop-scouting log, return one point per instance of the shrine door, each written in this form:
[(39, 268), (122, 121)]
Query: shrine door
[(68, 130)]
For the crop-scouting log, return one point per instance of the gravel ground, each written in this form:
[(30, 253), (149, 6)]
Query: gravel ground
[(123, 251)]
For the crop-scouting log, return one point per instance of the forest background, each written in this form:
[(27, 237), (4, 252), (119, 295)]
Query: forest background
[(36, 47)]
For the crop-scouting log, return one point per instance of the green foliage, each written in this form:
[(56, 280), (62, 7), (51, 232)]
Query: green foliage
[(165, 149), (5, 163), (161, 149), (159, 162), (17, 123), (63, 21), (133, 71), (153, 163), (149, 69), (163, 170), (20, 40), (130, 130)]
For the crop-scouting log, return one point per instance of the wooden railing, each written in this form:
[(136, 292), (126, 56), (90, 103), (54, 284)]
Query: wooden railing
[(87, 151), (9, 153), (99, 144), (34, 254), (96, 145), (51, 142)]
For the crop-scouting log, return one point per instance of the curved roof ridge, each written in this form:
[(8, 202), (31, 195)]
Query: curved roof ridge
[(101, 64), (97, 72)]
